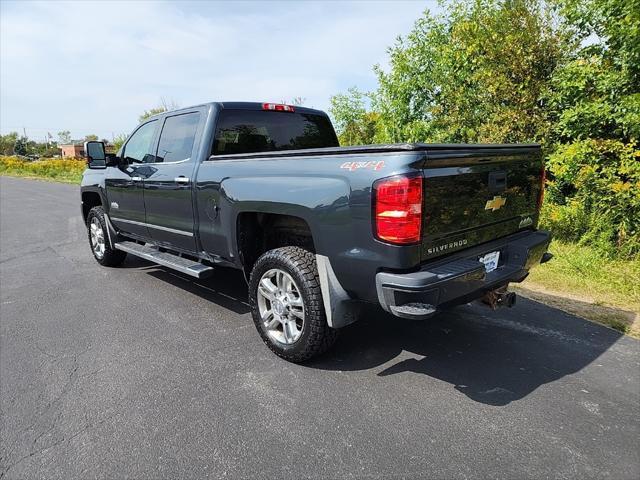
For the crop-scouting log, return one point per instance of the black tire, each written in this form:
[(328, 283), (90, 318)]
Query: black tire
[(111, 257), (316, 337)]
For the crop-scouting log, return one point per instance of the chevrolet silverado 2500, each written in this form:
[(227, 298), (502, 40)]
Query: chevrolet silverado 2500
[(318, 229)]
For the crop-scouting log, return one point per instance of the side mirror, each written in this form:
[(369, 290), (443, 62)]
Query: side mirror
[(96, 157)]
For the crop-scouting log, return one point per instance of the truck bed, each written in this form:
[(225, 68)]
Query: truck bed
[(473, 193)]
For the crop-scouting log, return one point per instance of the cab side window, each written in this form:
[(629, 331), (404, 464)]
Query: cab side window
[(177, 137), (139, 146)]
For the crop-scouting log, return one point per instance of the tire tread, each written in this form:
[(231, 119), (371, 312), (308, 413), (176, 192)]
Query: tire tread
[(321, 337)]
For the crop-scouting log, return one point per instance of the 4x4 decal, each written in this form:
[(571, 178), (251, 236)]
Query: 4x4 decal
[(379, 165)]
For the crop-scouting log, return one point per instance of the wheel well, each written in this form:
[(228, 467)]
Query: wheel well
[(260, 232), (89, 200)]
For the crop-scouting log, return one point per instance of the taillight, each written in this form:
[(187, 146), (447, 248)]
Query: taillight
[(278, 107), (543, 177), (398, 209)]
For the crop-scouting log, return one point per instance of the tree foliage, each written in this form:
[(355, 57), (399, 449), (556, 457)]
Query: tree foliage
[(296, 101), (354, 125), (7, 142), (594, 194), (10, 141), (477, 73), (20, 146), (150, 113), (119, 140), (562, 73), (616, 25), (64, 137), (594, 110), (164, 106)]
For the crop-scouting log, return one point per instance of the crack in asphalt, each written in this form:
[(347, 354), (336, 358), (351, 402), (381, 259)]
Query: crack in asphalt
[(72, 378)]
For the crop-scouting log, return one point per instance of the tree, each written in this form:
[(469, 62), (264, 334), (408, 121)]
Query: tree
[(119, 140), (47, 150), (150, 113), (354, 125), (614, 23), (64, 137), (20, 147), (164, 106), (296, 101), (91, 137), (474, 74), (594, 107), (597, 92), (7, 142)]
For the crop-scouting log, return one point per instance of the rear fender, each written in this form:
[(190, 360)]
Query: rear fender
[(323, 203)]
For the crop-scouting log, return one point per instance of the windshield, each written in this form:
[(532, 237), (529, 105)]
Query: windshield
[(249, 131)]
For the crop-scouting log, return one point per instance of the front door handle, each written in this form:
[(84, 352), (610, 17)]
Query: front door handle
[(182, 180), (136, 179)]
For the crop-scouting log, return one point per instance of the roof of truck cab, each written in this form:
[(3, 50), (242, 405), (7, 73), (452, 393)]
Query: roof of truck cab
[(239, 106)]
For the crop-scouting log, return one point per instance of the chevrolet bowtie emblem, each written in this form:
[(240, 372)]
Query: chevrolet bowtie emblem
[(495, 204)]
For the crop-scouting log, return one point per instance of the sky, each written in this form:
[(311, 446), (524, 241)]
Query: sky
[(94, 67)]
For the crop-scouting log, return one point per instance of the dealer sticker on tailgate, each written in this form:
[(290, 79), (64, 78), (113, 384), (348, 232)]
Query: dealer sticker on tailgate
[(490, 261)]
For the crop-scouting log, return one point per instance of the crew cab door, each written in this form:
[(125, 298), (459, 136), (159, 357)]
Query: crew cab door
[(168, 188), (124, 186)]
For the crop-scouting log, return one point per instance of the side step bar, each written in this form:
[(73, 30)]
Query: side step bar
[(181, 264)]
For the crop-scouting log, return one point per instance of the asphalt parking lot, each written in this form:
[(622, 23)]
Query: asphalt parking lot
[(140, 372)]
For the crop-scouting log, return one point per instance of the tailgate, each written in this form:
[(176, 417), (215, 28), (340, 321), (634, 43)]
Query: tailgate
[(475, 194)]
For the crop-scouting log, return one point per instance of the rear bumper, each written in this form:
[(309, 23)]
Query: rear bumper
[(460, 278)]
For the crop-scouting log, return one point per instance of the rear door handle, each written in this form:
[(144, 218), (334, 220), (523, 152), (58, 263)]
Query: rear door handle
[(136, 179), (181, 180)]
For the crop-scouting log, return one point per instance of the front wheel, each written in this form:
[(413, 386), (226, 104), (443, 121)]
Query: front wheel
[(99, 241), (286, 304)]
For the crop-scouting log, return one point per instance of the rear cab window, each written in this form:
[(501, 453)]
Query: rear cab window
[(251, 131)]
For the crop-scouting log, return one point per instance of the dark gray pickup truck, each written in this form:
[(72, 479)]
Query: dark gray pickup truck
[(318, 229)]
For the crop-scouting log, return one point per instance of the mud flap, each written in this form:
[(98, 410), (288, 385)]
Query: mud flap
[(111, 231), (340, 309)]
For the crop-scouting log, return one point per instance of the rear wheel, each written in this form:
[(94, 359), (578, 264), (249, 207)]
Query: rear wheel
[(286, 304), (99, 241)]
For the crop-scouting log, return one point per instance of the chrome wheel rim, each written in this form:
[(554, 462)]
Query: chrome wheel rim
[(281, 307), (97, 238)]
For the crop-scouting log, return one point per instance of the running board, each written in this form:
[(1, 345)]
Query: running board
[(181, 264)]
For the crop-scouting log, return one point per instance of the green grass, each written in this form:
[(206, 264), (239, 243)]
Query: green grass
[(581, 280)]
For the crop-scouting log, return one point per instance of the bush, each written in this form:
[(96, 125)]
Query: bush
[(69, 170), (593, 195)]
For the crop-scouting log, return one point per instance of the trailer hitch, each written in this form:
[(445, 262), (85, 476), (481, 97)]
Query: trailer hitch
[(499, 297)]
